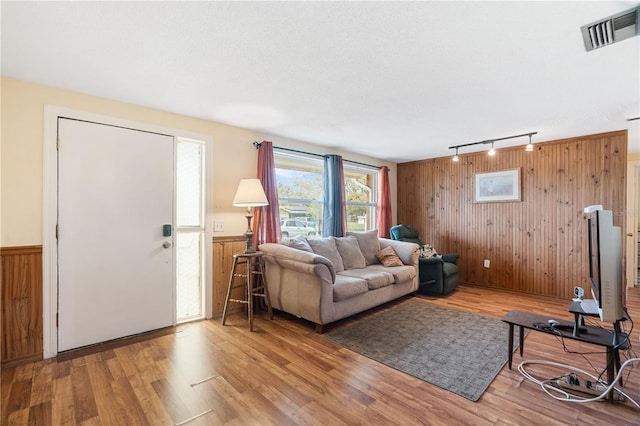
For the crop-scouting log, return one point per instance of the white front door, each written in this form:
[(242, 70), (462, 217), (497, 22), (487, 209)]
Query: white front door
[(115, 266)]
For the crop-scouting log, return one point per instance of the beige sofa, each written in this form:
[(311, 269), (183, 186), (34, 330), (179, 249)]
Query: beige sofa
[(327, 279)]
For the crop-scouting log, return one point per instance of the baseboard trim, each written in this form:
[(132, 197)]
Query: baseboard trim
[(20, 361), (117, 343), (20, 250)]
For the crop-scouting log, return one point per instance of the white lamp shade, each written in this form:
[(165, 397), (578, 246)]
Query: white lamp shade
[(250, 194)]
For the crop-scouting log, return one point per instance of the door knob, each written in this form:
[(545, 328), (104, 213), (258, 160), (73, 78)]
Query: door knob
[(166, 244)]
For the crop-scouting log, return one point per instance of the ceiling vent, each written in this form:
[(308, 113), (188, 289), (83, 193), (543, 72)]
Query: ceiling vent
[(612, 29)]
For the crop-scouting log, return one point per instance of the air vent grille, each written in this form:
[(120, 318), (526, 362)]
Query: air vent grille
[(601, 34), (611, 30), (625, 20)]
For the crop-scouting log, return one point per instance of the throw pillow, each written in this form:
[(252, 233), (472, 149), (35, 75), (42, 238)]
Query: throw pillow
[(327, 247), (349, 250), (300, 243), (369, 245), (389, 257)]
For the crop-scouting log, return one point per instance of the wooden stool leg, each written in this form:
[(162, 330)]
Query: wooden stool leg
[(226, 301), (254, 266), (250, 266)]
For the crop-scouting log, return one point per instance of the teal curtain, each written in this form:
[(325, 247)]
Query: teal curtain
[(334, 211)]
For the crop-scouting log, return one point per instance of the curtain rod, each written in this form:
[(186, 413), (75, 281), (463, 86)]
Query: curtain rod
[(257, 145)]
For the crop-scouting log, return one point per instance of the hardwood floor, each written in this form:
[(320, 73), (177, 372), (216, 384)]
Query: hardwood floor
[(284, 373)]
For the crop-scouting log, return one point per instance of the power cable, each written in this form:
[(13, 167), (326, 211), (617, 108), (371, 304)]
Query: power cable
[(548, 387)]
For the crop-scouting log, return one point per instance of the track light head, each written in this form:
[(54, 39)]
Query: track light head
[(492, 151), (529, 147)]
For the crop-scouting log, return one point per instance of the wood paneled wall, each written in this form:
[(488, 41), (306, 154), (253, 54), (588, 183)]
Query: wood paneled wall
[(537, 245), (21, 295)]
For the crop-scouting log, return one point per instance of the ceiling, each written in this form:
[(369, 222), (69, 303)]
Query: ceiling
[(398, 81)]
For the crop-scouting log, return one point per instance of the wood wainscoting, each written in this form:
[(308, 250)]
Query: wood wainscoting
[(537, 245), (223, 250), (21, 295)]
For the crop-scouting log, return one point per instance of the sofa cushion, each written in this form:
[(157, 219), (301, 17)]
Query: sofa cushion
[(388, 257), (327, 247), (400, 273), (349, 250), (374, 278), (369, 245), (300, 243), (346, 287)]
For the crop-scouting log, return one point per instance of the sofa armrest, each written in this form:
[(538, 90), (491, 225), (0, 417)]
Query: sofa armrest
[(407, 252), (300, 283), (431, 270), (451, 258), (435, 260), (302, 261)]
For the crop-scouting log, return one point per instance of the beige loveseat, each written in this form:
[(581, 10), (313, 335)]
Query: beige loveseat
[(326, 279)]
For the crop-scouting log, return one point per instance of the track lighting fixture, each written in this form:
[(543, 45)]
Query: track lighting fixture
[(529, 147), (492, 151)]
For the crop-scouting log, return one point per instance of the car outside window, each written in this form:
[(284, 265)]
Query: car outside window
[(292, 228)]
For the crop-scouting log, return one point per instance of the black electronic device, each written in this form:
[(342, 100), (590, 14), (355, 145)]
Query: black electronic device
[(605, 264), (554, 325)]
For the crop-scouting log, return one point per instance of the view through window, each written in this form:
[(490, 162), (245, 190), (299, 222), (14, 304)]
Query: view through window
[(361, 194), (300, 194), (189, 238)]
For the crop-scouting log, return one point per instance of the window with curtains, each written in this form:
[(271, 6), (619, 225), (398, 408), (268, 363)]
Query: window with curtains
[(360, 185), (300, 193)]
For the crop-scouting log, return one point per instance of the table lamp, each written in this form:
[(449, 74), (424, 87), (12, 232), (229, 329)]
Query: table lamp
[(250, 194)]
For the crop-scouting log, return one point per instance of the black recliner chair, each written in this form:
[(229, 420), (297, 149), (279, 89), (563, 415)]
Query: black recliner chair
[(438, 275)]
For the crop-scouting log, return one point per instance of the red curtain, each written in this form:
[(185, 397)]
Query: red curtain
[(383, 209), (266, 220)]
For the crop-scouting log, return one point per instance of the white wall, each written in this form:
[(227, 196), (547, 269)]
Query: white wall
[(21, 155)]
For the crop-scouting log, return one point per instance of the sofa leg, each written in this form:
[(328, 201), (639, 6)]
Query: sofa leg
[(319, 328)]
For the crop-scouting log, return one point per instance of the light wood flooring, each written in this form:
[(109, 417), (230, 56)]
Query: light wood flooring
[(285, 374)]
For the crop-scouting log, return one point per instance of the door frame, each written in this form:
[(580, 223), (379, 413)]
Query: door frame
[(633, 212), (50, 210)]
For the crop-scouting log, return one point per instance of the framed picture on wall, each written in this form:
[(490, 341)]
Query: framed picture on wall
[(498, 186)]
